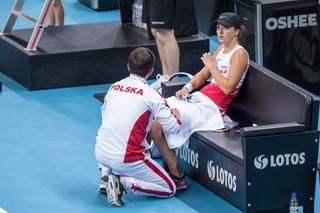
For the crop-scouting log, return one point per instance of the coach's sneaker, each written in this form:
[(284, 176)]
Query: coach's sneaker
[(181, 182), (103, 185), (157, 84), (114, 190)]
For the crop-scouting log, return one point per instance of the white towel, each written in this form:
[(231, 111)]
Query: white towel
[(197, 113)]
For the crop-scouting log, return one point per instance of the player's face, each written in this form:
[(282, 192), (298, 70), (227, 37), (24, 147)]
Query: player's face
[(226, 35)]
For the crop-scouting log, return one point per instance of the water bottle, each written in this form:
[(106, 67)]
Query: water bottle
[(137, 13), (134, 13), (294, 204)]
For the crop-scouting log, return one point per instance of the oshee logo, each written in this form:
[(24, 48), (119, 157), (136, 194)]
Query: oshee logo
[(222, 176), (284, 22), (189, 156), (262, 161)]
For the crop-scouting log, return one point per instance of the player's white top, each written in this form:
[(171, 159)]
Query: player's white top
[(223, 64), (127, 113)]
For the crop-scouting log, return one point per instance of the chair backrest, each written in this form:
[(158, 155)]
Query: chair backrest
[(267, 98)]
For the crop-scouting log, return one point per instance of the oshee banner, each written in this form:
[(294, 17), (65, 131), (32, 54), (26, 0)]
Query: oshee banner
[(295, 21)]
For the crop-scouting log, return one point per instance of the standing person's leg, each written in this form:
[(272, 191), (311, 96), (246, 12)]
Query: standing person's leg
[(59, 13), (165, 69), (56, 17), (162, 13), (51, 18), (172, 52), (168, 50)]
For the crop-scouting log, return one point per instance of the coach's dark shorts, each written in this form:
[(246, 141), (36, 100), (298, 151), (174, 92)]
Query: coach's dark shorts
[(160, 13)]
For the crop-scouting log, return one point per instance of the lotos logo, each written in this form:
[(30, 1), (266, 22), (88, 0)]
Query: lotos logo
[(211, 170), (289, 159), (261, 162), (222, 176), (189, 156)]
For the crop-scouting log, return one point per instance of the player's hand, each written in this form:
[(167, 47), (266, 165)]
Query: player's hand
[(176, 112), (182, 92), (207, 59)]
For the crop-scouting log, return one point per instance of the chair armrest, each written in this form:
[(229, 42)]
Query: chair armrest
[(272, 129)]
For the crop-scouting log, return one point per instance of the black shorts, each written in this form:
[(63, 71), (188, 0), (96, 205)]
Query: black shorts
[(159, 13)]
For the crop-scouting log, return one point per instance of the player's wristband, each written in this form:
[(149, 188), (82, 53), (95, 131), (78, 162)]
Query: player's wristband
[(189, 87)]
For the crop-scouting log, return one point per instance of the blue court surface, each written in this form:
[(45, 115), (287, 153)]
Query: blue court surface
[(47, 139)]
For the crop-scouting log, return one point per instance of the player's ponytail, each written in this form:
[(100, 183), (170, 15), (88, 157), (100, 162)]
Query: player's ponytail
[(242, 35)]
